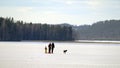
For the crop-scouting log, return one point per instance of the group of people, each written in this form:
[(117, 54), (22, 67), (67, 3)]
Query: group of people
[(50, 48)]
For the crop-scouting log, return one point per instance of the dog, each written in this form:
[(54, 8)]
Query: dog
[(64, 51)]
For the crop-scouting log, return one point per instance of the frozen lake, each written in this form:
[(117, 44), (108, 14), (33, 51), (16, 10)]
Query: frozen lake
[(79, 55)]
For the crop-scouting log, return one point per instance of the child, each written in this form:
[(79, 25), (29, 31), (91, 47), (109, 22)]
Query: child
[(45, 49)]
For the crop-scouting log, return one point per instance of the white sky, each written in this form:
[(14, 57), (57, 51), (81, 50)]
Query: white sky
[(76, 12)]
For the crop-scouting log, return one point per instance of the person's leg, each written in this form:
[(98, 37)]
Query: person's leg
[(52, 50), (49, 50)]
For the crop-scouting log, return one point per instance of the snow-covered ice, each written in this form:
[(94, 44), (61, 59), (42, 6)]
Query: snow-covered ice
[(79, 55)]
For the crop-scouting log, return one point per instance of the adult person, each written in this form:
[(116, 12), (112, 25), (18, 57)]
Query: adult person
[(49, 48), (53, 46)]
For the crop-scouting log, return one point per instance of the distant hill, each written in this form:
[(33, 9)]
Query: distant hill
[(65, 24), (102, 30)]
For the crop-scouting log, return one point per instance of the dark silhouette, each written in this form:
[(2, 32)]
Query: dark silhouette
[(49, 48), (53, 46), (64, 51), (12, 30)]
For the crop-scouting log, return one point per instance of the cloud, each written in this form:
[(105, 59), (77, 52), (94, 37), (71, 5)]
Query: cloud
[(61, 11), (103, 4), (24, 9), (93, 3)]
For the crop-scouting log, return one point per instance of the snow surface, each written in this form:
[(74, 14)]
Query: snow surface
[(79, 55)]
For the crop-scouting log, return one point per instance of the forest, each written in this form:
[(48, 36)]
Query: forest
[(11, 30), (101, 30)]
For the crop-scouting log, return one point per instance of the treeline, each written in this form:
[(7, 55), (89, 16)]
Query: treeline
[(102, 30), (11, 30)]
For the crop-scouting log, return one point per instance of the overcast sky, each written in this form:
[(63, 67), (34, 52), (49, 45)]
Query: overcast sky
[(76, 12)]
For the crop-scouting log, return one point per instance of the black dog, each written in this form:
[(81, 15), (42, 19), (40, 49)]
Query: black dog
[(64, 51)]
